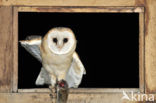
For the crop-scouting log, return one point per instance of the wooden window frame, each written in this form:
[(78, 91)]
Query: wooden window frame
[(9, 41), (69, 9)]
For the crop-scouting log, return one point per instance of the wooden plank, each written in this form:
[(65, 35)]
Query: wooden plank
[(150, 46), (15, 50), (82, 9), (6, 48), (82, 90), (68, 2), (141, 53), (73, 98), (140, 2)]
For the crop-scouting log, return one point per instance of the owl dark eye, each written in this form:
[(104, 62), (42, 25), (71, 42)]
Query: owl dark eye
[(65, 40), (55, 40)]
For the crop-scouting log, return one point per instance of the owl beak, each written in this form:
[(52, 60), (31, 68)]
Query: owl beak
[(60, 45)]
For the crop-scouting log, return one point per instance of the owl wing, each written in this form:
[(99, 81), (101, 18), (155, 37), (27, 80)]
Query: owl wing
[(75, 73), (43, 78), (32, 45)]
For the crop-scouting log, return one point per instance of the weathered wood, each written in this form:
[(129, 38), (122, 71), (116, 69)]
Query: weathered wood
[(7, 53), (68, 2), (141, 53), (15, 50), (140, 2), (82, 9), (82, 90), (150, 46), (73, 98), (6, 48)]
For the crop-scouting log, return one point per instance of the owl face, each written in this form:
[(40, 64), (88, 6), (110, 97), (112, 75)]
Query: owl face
[(61, 40)]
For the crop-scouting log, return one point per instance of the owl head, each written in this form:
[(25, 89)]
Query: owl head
[(61, 40)]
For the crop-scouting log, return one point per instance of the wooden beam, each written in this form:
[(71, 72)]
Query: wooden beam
[(15, 50), (150, 46), (6, 48), (73, 98), (82, 9), (141, 53), (68, 2), (83, 90)]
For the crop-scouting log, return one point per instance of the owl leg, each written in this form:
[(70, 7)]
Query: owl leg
[(53, 80), (52, 87), (52, 93)]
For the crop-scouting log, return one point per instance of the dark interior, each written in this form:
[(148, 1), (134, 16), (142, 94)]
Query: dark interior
[(108, 45)]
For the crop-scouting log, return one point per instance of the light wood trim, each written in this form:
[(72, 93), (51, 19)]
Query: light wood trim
[(83, 90), (38, 90), (68, 2), (141, 53), (15, 50), (82, 9)]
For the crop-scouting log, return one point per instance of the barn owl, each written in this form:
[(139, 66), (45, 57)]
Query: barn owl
[(56, 52)]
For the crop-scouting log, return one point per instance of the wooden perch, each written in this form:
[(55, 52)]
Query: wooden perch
[(59, 93)]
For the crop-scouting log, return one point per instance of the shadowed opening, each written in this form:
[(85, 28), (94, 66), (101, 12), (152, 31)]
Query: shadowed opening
[(108, 45)]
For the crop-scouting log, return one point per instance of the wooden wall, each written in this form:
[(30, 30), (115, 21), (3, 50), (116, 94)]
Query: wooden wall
[(69, 2), (6, 50), (150, 46)]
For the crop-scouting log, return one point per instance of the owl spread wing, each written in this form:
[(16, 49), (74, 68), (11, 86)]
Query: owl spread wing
[(75, 73), (32, 45)]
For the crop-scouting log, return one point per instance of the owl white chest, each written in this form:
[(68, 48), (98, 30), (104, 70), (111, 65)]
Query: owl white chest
[(57, 64)]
